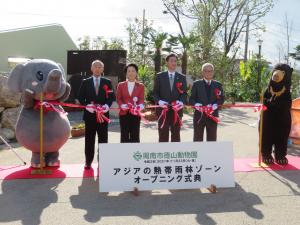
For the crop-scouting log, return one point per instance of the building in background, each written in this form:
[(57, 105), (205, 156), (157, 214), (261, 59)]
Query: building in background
[(49, 41)]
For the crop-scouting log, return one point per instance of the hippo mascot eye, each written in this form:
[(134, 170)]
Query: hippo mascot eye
[(24, 79), (276, 120)]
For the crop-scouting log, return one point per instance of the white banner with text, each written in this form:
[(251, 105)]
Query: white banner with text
[(176, 165)]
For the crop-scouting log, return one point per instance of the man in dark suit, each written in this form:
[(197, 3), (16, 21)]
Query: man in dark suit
[(169, 88), (95, 90), (206, 92)]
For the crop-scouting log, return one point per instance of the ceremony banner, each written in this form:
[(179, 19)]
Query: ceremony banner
[(177, 165)]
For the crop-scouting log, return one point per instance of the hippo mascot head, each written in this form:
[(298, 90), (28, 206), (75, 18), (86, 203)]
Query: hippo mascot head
[(35, 79)]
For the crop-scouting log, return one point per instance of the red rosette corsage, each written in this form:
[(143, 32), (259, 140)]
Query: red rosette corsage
[(179, 86), (107, 90), (218, 93)]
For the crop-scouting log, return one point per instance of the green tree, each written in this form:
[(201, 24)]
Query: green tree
[(84, 42), (138, 44), (157, 39)]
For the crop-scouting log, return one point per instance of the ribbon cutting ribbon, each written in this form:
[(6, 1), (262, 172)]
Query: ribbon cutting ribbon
[(137, 111), (49, 106), (176, 108), (206, 110), (165, 108), (100, 114), (256, 107), (163, 115)]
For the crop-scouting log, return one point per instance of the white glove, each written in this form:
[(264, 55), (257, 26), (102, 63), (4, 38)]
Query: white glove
[(90, 109), (124, 106), (179, 103), (162, 103), (214, 106), (105, 108), (198, 104), (141, 106)]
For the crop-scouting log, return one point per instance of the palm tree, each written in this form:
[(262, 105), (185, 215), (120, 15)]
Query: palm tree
[(158, 39), (183, 42)]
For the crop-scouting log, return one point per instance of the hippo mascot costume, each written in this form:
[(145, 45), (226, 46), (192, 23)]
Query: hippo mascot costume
[(33, 78)]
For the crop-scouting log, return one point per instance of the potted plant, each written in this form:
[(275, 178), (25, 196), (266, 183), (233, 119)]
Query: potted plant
[(78, 130)]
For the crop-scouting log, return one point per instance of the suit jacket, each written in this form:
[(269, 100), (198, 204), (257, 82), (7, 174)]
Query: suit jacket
[(123, 96), (87, 95), (199, 94), (162, 89)]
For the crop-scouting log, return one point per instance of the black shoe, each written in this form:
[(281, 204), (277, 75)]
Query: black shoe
[(87, 166)]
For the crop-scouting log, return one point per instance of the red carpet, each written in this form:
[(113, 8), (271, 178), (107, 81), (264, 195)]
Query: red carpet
[(77, 170)]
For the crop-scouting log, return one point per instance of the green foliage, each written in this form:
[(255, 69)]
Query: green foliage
[(295, 89), (146, 76), (246, 85)]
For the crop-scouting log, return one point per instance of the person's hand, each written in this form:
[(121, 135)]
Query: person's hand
[(105, 108), (180, 103), (124, 106), (162, 103), (214, 107), (141, 106), (90, 108), (198, 104)]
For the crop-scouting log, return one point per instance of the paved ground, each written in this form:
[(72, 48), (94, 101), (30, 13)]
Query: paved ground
[(259, 197)]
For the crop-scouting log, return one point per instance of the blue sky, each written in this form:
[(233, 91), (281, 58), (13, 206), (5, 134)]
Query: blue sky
[(108, 19)]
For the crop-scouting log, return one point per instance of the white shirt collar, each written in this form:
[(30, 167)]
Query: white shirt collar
[(169, 74), (207, 81), (94, 78)]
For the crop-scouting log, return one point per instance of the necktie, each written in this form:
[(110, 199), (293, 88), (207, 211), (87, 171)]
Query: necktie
[(97, 86), (171, 80)]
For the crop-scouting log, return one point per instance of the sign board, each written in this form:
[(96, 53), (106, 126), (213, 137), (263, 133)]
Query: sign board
[(176, 165)]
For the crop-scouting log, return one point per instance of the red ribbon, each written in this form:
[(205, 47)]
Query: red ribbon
[(163, 115), (206, 110), (101, 118), (176, 108), (137, 111), (179, 86), (107, 90), (49, 106), (256, 107)]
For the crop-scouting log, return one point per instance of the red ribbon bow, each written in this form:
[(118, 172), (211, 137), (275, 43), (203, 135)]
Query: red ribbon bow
[(163, 115), (101, 118), (179, 86), (207, 110), (176, 108), (107, 90), (48, 106), (137, 111)]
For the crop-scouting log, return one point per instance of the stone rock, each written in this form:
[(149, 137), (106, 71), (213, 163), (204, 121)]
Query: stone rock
[(9, 117), (7, 133), (1, 109), (8, 98)]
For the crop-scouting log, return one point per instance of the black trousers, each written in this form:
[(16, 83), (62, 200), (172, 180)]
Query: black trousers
[(130, 128), (163, 132), (205, 122), (91, 128)]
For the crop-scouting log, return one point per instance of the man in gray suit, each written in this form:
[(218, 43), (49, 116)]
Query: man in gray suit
[(206, 92), (169, 88)]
